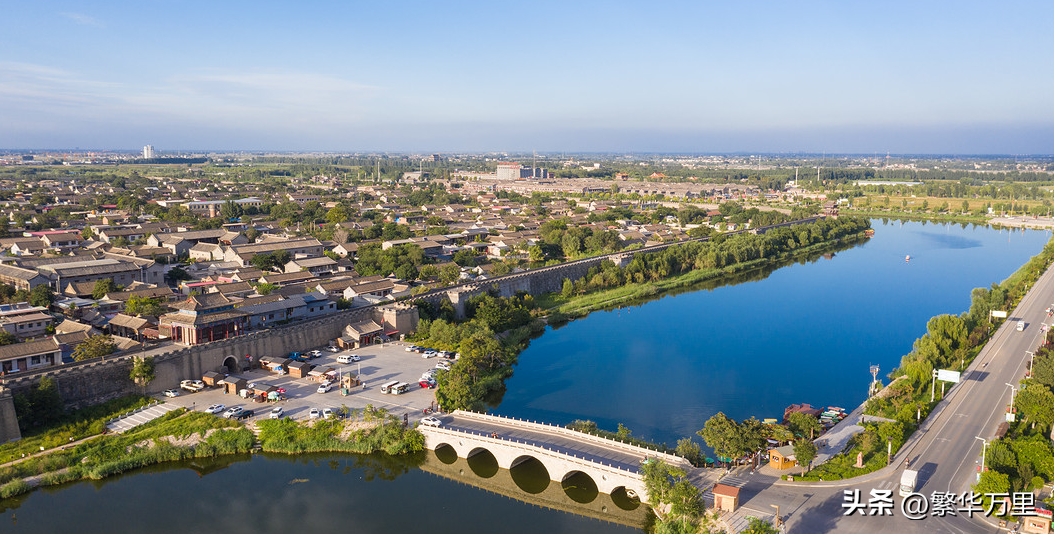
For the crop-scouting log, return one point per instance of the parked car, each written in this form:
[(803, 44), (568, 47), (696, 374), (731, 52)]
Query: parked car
[(244, 414), (348, 358), (431, 421), (427, 384), (171, 392), (447, 354), (232, 411), (324, 387), (443, 365), (314, 413), (421, 349), (327, 413), (411, 348), (333, 348), (277, 412), (215, 408), (429, 354), (315, 353)]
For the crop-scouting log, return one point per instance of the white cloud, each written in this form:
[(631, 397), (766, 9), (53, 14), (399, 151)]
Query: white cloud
[(82, 19), (246, 99)]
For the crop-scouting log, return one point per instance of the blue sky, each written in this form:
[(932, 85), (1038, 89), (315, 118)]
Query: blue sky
[(905, 77)]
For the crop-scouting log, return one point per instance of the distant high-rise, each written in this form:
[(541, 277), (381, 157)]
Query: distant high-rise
[(437, 157), (148, 151)]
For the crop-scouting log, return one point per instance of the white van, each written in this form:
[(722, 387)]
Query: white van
[(324, 388), (387, 388), (1021, 326)]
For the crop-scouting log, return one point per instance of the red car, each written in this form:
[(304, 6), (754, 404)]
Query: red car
[(427, 384)]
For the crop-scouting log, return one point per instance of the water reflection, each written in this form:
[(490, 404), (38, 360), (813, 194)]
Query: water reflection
[(529, 482)]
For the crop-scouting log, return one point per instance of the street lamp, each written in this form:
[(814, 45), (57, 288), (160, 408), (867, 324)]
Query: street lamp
[(1031, 356), (1012, 391), (984, 449)]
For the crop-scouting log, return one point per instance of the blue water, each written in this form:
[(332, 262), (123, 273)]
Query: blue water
[(806, 333)]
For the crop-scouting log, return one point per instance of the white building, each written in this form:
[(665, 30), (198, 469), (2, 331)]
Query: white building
[(148, 151)]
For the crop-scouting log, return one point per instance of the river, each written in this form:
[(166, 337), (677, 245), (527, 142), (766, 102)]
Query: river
[(806, 332)]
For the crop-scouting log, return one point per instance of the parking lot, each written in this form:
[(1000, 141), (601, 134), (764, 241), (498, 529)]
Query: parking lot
[(379, 364)]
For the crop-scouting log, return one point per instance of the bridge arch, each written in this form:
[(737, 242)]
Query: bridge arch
[(624, 500), (482, 462), (445, 453), (530, 474), (579, 486)]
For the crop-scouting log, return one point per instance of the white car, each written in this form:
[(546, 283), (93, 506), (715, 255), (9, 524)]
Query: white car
[(333, 348), (315, 353), (324, 387), (429, 354), (215, 408), (431, 421), (327, 413), (411, 348), (232, 411), (277, 412), (314, 413), (348, 358), (171, 392), (443, 365)]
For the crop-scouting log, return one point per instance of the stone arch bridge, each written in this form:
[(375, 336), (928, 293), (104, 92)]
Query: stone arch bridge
[(613, 466)]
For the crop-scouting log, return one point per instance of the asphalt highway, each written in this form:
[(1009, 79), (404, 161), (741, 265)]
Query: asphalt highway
[(945, 451)]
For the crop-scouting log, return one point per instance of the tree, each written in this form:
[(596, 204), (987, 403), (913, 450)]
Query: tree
[(7, 338), (264, 288), (803, 424), (1036, 403), (337, 214), (449, 274), (804, 453), (102, 287), (95, 346), (142, 371), (465, 258), (758, 526), (723, 436), (231, 210), (568, 288), (251, 234), (143, 306), (535, 253), (177, 274), (41, 296), (42, 405), (689, 450)]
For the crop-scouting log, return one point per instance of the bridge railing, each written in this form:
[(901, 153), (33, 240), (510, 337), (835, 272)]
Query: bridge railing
[(671, 459), (533, 448)]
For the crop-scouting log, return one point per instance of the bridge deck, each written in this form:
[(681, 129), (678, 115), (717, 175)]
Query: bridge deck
[(585, 446)]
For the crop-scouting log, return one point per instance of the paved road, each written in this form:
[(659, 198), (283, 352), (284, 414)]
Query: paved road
[(945, 450), (613, 454)]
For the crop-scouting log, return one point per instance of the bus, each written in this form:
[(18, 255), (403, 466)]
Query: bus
[(387, 388), (400, 388)]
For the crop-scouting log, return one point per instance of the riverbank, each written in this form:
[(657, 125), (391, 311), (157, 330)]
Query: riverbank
[(950, 342), (182, 435), (559, 308)]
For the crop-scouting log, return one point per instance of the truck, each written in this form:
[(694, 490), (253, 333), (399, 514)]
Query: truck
[(1021, 326), (908, 479), (297, 357)]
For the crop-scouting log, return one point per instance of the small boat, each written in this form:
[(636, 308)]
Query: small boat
[(907, 258)]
